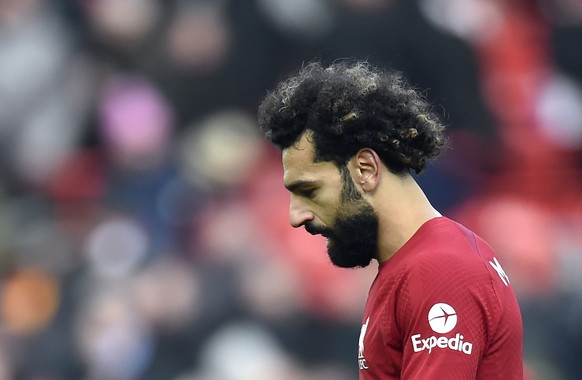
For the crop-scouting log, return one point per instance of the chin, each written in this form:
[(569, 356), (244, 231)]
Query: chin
[(348, 259)]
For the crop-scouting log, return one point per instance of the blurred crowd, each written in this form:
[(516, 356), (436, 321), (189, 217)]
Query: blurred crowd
[(143, 221)]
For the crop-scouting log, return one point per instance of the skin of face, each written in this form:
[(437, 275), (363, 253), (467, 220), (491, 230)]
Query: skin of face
[(325, 201), (315, 187)]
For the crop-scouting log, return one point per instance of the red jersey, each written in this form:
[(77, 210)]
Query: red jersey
[(441, 308)]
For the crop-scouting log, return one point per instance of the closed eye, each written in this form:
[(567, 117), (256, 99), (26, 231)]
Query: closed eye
[(307, 193), (306, 189)]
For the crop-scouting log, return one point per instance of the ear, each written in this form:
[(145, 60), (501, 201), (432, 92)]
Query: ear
[(367, 167)]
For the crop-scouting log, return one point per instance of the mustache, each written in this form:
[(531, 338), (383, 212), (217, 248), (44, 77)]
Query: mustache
[(315, 230)]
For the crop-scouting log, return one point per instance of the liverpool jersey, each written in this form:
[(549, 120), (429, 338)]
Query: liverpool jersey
[(441, 308)]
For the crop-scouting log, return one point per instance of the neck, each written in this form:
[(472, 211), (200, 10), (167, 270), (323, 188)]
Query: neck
[(402, 209)]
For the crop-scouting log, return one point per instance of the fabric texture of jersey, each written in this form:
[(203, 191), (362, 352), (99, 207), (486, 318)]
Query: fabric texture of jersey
[(441, 308)]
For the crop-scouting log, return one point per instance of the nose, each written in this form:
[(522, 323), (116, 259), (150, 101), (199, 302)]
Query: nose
[(298, 213)]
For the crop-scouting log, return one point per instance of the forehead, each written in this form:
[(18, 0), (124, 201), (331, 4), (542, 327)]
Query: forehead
[(298, 162)]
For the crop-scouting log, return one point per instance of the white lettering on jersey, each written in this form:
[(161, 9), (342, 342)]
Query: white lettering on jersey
[(495, 264), (361, 359), (456, 343), (442, 319)]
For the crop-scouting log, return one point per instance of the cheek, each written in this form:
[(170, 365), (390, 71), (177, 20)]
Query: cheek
[(330, 213)]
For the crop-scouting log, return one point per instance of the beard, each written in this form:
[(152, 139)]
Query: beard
[(353, 239)]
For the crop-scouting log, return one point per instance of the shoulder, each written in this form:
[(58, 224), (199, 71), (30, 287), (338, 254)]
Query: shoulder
[(452, 266), (447, 254), (444, 275)]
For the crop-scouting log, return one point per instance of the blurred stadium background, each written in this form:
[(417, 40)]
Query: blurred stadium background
[(143, 222)]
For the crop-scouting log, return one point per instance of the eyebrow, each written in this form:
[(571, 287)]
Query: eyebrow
[(297, 185)]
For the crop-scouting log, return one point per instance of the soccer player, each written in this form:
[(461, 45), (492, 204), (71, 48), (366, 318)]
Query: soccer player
[(441, 305)]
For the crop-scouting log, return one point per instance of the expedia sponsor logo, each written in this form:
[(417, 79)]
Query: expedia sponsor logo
[(456, 343), (442, 319)]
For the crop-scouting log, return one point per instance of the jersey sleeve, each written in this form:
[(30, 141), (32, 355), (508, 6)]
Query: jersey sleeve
[(445, 312)]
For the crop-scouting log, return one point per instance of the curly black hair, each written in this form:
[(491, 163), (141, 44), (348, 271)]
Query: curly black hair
[(353, 105)]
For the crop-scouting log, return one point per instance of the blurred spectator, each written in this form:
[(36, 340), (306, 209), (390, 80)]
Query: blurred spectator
[(42, 91), (121, 23), (114, 341), (198, 37), (136, 124), (29, 301), (210, 55)]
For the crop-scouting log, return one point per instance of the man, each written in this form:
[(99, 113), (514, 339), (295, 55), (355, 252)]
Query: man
[(441, 306)]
